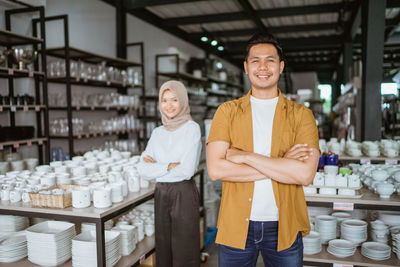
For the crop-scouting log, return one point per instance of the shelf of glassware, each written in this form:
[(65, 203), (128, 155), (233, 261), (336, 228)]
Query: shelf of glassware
[(27, 142), (92, 82), (357, 259), (143, 249), (17, 73), (95, 134), (368, 198), (8, 38)]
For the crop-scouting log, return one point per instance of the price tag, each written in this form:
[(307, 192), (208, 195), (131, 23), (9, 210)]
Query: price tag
[(78, 79), (29, 143), (92, 107), (117, 132), (1, 109), (13, 109), (10, 72), (343, 206), (79, 136), (87, 135), (391, 161), (37, 108), (342, 265), (85, 80), (16, 145), (25, 108), (102, 134), (78, 108), (142, 259), (1, 147), (30, 74), (108, 83), (365, 161), (110, 133), (94, 134), (107, 108), (118, 108), (40, 142)]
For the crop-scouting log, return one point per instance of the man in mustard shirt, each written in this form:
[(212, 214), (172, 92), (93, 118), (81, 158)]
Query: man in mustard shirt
[(263, 148)]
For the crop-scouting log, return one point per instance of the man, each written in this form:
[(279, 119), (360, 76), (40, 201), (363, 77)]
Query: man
[(264, 148)]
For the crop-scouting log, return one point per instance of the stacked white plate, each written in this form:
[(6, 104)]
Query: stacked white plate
[(312, 243), (49, 243), (92, 227), (10, 223), (129, 238), (395, 231), (13, 247), (375, 250), (84, 251), (326, 226), (340, 217), (354, 231), (341, 248)]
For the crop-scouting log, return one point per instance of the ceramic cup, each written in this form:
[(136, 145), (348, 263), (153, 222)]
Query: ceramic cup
[(80, 197), (15, 196), (149, 229), (102, 197), (5, 194)]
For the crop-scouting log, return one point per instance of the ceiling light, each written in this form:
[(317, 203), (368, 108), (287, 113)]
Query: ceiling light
[(218, 65), (204, 38), (220, 48), (214, 42)]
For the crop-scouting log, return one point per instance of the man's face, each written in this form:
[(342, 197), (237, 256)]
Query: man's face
[(263, 66)]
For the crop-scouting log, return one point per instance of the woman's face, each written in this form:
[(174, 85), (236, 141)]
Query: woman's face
[(170, 104)]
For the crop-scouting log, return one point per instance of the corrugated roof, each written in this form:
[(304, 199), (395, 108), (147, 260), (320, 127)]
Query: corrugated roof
[(220, 26), (264, 4)]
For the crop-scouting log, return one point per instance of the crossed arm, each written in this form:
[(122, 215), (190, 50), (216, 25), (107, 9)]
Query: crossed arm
[(298, 166)]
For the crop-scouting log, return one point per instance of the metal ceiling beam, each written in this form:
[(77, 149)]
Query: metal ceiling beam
[(273, 30), (315, 66), (354, 23), (253, 14), (265, 13), (391, 26), (135, 4), (392, 3)]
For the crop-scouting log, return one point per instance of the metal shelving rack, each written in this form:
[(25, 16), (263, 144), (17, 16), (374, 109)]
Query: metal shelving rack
[(69, 53), (9, 39)]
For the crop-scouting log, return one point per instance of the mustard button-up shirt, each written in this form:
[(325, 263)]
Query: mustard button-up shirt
[(293, 124)]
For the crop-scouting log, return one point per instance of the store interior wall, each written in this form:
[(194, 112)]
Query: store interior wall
[(92, 27)]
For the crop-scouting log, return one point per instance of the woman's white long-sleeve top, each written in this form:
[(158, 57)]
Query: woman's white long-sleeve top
[(182, 145)]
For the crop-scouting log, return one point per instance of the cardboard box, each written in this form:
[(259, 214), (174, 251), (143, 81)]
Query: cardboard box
[(150, 261)]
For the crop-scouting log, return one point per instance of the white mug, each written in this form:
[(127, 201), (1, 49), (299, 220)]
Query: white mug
[(133, 183), (15, 196), (140, 225), (330, 180), (149, 229), (144, 183), (5, 194), (80, 197), (102, 198)]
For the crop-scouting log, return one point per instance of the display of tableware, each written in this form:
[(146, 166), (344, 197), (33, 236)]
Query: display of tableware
[(328, 191), (149, 228), (81, 197), (84, 250), (330, 179), (309, 190), (341, 181), (129, 238), (354, 181), (140, 226), (312, 243), (354, 231), (22, 57), (17, 165), (331, 169), (15, 195), (326, 226), (375, 250), (390, 218), (31, 163), (340, 217), (319, 179), (13, 247), (4, 165), (379, 232), (10, 223), (50, 238), (346, 192), (379, 175), (341, 248), (116, 192), (102, 198), (385, 190)]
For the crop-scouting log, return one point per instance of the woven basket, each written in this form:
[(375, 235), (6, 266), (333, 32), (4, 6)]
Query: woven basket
[(52, 201)]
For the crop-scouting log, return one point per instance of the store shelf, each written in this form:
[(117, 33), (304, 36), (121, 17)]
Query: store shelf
[(78, 108), (182, 75), (90, 135), (22, 107), (8, 38), (18, 143), (90, 212), (213, 105), (216, 80), (80, 54), (149, 98), (220, 93), (91, 82), (357, 259), (16, 73), (350, 158), (368, 199)]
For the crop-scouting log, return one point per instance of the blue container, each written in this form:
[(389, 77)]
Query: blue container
[(331, 159), (321, 162)]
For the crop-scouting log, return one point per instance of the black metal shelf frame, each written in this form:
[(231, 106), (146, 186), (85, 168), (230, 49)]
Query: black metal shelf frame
[(9, 39)]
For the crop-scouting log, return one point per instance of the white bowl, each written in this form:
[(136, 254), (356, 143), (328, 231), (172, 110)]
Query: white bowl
[(331, 169)]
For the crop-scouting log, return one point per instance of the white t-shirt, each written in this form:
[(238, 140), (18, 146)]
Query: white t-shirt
[(181, 145), (263, 206)]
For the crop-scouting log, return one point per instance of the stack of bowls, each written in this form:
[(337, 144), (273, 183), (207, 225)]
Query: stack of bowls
[(354, 231), (340, 217), (312, 243), (379, 232), (326, 226), (395, 232), (341, 248), (375, 250)]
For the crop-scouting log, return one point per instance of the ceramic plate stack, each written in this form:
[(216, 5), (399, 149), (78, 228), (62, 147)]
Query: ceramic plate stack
[(341, 248), (395, 231), (92, 227), (49, 243), (312, 243), (326, 226), (129, 238), (13, 247), (84, 251), (340, 217), (376, 251), (10, 223), (354, 231)]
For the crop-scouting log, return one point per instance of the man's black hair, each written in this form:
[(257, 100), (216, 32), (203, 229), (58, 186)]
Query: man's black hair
[(263, 38)]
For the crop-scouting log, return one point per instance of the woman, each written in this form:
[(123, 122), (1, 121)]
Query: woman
[(171, 158)]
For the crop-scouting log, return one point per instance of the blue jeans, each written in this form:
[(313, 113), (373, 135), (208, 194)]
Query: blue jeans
[(262, 237)]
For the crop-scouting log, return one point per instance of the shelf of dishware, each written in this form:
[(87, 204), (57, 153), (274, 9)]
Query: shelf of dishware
[(367, 198), (92, 82), (95, 134), (18, 73), (220, 93), (106, 108), (216, 80), (182, 75), (27, 142), (8, 38), (89, 212), (351, 158), (22, 107), (80, 54), (357, 259)]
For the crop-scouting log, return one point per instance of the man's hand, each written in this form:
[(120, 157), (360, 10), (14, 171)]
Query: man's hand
[(235, 155), (173, 165), (149, 159), (299, 152)]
